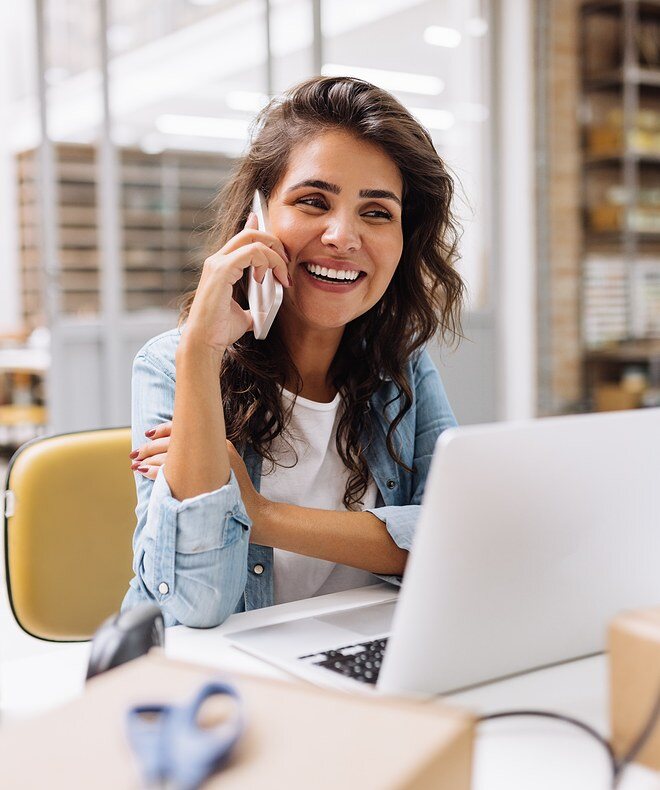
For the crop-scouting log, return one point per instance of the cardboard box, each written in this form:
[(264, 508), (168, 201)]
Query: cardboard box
[(634, 646), (614, 397), (297, 737)]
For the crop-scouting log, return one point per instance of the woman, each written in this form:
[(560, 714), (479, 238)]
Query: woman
[(296, 464)]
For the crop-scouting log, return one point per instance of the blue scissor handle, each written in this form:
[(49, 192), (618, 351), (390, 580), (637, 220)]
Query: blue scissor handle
[(171, 745)]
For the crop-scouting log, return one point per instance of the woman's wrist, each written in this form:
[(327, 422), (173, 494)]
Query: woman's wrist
[(263, 515), (191, 348)]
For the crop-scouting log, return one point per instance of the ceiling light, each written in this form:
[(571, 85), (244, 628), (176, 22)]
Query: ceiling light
[(442, 36), (433, 119), (401, 81), (246, 101), (199, 126)]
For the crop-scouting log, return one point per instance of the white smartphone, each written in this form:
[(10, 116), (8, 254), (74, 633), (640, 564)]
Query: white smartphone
[(264, 298)]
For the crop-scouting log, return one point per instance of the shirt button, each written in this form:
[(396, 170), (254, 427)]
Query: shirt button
[(163, 588), (258, 569), (391, 483)]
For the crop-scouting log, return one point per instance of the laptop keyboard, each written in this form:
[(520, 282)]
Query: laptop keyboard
[(361, 661)]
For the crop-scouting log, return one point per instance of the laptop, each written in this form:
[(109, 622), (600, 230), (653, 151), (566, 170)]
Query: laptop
[(532, 535)]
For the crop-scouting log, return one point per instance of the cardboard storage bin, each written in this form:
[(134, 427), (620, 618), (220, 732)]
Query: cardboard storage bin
[(297, 736), (634, 645)]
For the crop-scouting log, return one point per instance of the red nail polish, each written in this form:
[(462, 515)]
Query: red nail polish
[(134, 454), (143, 468), (150, 433)]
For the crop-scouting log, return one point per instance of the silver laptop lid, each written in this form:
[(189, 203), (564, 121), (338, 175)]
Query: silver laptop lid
[(532, 536)]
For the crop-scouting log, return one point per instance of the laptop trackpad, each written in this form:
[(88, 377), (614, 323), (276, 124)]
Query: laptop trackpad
[(313, 634)]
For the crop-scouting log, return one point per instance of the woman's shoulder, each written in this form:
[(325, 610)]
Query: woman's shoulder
[(160, 351)]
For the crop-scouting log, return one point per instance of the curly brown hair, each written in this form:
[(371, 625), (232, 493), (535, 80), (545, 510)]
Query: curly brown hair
[(424, 296)]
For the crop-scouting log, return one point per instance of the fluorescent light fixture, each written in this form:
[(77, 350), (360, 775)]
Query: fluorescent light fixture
[(199, 126), (433, 119), (476, 26), (442, 36), (246, 101), (402, 81)]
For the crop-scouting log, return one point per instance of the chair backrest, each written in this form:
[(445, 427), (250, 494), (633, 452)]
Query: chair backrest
[(69, 521)]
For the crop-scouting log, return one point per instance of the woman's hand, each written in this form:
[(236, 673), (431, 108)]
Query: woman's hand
[(216, 320), (148, 459)]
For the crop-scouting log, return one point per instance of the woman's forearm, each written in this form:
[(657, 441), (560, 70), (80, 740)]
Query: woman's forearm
[(197, 458), (360, 540)]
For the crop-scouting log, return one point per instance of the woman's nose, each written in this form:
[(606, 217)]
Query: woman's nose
[(342, 234)]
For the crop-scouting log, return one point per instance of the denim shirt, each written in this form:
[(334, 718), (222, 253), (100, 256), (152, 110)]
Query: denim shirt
[(193, 557)]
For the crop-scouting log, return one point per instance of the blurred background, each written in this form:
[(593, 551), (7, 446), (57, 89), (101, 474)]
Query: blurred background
[(120, 119)]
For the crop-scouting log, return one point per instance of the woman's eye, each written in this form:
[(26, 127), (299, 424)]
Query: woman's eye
[(379, 214), (316, 202)]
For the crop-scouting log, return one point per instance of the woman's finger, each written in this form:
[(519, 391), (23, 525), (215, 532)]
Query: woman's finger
[(257, 255), (150, 449), (250, 235), (160, 430), (151, 471), (262, 258), (154, 460)]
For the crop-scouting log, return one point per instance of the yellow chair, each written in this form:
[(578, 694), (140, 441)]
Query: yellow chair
[(69, 521)]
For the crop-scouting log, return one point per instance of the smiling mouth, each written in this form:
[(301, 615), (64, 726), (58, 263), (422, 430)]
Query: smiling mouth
[(327, 275)]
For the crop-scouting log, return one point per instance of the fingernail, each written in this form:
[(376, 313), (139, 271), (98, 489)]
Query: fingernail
[(135, 464), (143, 468), (150, 433), (134, 454), (290, 280)]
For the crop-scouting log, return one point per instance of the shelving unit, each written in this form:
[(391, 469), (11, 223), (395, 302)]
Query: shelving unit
[(620, 115), (165, 201)]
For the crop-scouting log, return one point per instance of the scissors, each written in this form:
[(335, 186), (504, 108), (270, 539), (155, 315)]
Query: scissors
[(174, 750)]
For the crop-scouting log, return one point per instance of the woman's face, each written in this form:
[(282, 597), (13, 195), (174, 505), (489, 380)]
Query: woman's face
[(337, 211)]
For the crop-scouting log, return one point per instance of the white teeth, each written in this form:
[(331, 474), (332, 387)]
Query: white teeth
[(336, 274)]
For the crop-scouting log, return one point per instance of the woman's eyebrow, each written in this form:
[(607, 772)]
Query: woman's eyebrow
[(326, 186)]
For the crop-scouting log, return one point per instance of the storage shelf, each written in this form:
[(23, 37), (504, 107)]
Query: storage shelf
[(647, 8), (626, 351), (620, 160), (164, 200), (617, 78)]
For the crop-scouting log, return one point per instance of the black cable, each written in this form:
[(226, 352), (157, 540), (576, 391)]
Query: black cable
[(617, 766), (559, 717)]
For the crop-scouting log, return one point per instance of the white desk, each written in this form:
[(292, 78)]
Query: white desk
[(515, 754)]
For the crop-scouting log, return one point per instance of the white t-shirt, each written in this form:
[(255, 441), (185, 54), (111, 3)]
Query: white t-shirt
[(318, 480)]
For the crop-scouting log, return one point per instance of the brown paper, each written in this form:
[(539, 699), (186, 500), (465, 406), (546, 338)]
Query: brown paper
[(634, 645), (297, 736)]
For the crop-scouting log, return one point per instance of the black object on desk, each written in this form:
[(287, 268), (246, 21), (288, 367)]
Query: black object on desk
[(125, 636)]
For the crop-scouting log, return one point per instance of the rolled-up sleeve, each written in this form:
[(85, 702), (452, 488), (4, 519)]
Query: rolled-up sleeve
[(433, 415), (190, 556)]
